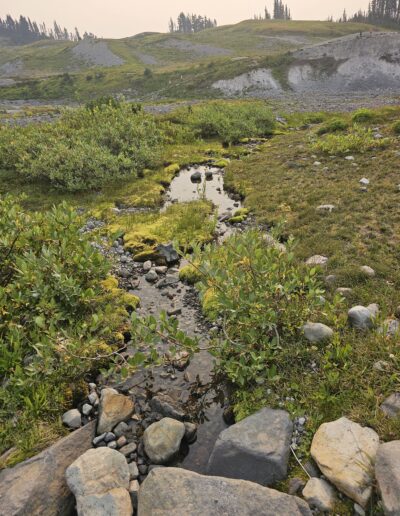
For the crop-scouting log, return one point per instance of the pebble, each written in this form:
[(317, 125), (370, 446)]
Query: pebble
[(86, 409), (112, 445), (93, 398), (121, 441), (147, 266), (151, 276), (110, 436), (128, 449), (98, 439)]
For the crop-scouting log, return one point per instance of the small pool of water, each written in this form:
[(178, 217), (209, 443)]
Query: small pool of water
[(210, 186)]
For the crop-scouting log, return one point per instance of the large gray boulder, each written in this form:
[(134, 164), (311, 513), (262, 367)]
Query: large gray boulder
[(162, 440), (255, 449), (345, 453), (169, 491), (387, 472), (99, 479), (114, 408), (37, 487)]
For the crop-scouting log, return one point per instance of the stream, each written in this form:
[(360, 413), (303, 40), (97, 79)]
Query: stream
[(190, 387)]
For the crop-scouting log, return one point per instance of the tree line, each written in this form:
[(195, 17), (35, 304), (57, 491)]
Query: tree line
[(380, 12), (190, 23), (280, 12), (23, 30)]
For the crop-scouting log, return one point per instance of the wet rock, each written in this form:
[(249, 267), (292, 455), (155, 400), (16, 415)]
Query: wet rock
[(162, 440), (317, 332), (165, 405), (151, 276), (368, 271), (256, 449), (319, 495), (391, 406), (113, 409), (176, 490), (196, 177), (72, 418), (317, 260), (209, 175), (169, 254), (345, 453), (387, 471), (361, 318), (37, 486)]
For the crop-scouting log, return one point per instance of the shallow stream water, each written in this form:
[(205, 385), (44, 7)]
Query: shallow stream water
[(193, 387)]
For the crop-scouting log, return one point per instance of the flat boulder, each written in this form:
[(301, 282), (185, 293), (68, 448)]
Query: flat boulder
[(113, 409), (169, 491), (255, 449), (162, 440), (98, 471), (345, 453), (387, 471), (99, 479), (37, 486)]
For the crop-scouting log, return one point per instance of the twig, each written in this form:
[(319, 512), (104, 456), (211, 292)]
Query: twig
[(299, 463)]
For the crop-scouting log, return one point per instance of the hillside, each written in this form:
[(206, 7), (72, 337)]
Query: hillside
[(175, 64)]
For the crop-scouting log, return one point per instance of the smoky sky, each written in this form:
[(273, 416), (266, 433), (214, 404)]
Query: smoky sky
[(122, 18)]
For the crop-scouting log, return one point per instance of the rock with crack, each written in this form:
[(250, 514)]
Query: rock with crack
[(387, 471), (113, 409), (255, 449), (162, 440), (319, 495), (345, 453), (37, 486), (169, 491), (99, 479), (317, 332), (165, 405)]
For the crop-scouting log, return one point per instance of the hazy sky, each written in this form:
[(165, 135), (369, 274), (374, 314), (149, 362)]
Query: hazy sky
[(121, 18)]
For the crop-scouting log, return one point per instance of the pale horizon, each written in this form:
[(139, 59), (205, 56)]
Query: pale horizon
[(123, 18)]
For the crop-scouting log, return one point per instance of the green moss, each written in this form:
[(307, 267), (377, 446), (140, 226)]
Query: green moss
[(237, 220), (221, 163), (144, 256), (189, 274), (210, 304), (241, 212), (130, 300), (172, 169)]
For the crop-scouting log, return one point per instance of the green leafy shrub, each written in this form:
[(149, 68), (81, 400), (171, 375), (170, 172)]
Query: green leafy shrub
[(85, 148), (357, 139), (57, 320), (189, 274), (396, 127), (263, 297), (228, 121), (363, 116), (333, 126)]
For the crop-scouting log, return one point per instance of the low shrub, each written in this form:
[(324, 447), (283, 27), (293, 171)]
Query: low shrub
[(396, 127), (363, 116), (357, 139), (263, 296), (57, 319), (228, 121), (333, 126)]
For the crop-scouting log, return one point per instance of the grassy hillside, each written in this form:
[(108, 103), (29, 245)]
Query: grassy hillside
[(156, 65)]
